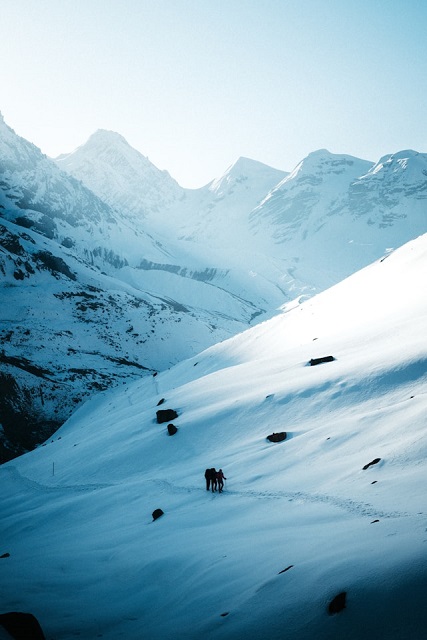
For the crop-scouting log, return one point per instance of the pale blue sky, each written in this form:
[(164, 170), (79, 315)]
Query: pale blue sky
[(194, 84)]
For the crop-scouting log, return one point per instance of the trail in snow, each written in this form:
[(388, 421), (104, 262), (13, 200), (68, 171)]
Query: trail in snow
[(13, 473), (346, 504)]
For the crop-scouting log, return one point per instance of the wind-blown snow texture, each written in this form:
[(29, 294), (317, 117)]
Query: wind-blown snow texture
[(299, 521), (116, 270)]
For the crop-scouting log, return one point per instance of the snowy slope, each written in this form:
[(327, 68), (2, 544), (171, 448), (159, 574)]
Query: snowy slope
[(299, 522), (69, 330)]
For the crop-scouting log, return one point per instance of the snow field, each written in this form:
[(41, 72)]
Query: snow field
[(86, 558)]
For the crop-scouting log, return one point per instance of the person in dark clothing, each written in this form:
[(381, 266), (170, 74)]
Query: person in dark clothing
[(213, 479), (220, 477), (208, 477)]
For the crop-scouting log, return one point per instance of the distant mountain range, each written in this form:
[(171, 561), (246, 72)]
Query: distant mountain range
[(110, 270)]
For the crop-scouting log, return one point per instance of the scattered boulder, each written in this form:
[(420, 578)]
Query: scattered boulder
[(157, 513), (172, 429), (277, 437), (166, 415), (315, 361), (373, 521), (224, 614), (375, 461), (5, 555), (160, 402), (338, 603), (22, 626)]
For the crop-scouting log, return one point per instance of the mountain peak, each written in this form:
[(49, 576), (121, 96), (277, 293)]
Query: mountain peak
[(119, 174), (245, 169), (322, 162), (106, 135)]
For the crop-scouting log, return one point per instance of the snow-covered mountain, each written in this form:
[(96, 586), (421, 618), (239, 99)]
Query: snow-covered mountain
[(344, 211), (116, 270), (321, 535), (120, 175), (90, 299)]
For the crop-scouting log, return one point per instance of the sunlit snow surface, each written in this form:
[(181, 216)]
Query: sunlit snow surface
[(88, 561)]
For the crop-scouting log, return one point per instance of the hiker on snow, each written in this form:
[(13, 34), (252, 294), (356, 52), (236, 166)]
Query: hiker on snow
[(213, 479), (208, 477), (220, 477)]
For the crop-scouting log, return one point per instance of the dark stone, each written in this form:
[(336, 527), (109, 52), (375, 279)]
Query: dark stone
[(277, 437), (172, 429), (22, 626), (166, 415), (5, 555), (224, 614), (284, 570), (315, 361), (157, 513), (338, 603), (160, 402), (375, 461), (374, 521)]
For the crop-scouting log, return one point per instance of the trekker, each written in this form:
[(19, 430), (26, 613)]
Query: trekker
[(208, 477), (213, 479), (220, 477)]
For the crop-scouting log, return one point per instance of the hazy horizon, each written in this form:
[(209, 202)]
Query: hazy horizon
[(194, 85)]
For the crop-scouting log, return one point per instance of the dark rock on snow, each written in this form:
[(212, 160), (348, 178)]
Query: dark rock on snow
[(315, 361), (277, 437), (172, 429), (166, 415), (375, 461), (157, 513), (22, 626), (284, 570), (338, 603)]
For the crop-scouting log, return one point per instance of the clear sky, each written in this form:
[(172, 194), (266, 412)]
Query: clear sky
[(194, 84)]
